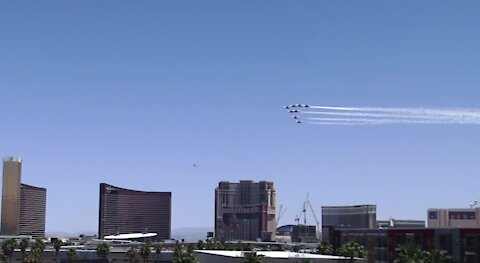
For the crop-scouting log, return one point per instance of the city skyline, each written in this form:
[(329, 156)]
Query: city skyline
[(136, 94)]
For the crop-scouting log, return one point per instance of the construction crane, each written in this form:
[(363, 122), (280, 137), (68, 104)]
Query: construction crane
[(281, 212), (308, 205)]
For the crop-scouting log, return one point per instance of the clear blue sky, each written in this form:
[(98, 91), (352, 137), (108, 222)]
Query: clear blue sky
[(133, 93)]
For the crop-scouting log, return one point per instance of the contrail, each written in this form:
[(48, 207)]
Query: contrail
[(374, 115), (426, 111), (332, 115), (386, 121)]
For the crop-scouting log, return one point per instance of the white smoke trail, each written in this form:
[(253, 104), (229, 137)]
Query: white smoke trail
[(373, 115), (414, 111), (330, 115), (385, 121)]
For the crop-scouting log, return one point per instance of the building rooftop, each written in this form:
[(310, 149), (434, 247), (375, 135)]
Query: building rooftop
[(130, 236), (268, 254), (12, 159)]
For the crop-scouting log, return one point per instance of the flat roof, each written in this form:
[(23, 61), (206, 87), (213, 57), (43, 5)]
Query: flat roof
[(130, 236), (268, 254)]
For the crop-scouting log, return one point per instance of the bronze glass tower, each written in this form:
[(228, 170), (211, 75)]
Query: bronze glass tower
[(23, 206), (245, 211), (12, 170), (125, 211), (33, 201)]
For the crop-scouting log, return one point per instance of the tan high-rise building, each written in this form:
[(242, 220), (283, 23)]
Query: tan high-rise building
[(454, 217), (23, 206), (245, 211), (12, 170)]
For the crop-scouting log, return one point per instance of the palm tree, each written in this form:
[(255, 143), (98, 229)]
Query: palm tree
[(8, 247), (102, 251), (145, 251), (72, 254), (325, 248), (437, 256), (36, 251), (57, 245), (246, 247), (131, 253), (253, 257), (200, 245), (23, 245), (158, 250), (351, 250), (411, 253), (209, 245), (190, 248), (184, 257), (296, 248)]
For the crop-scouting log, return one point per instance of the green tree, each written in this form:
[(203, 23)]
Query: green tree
[(296, 248), (131, 254), (325, 248), (209, 245), (57, 245), (8, 247), (24, 245), (411, 253), (252, 257), (102, 251), (351, 250), (200, 245), (145, 251), (158, 250), (190, 248), (72, 255), (437, 256), (36, 251), (246, 247), (181, 256), (184, 257)]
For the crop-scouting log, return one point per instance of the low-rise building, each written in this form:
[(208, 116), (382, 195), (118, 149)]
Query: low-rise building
[(221, 256), (383, 245), (299, 233), (401, 223), (454, 217)]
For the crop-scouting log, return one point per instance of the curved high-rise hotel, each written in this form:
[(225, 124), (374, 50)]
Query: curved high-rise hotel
[(125, 211)]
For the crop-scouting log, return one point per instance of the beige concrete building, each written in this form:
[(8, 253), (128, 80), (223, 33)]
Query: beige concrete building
[(12, 170), (245, 211), (456, 217)]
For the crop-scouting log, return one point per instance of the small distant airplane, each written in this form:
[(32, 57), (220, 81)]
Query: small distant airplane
[(293, 111), (295, 117), (299, 121), (297, 106), (196, 165)]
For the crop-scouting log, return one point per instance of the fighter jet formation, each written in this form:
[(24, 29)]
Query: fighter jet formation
[(334, 115), (295, 108)]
